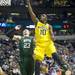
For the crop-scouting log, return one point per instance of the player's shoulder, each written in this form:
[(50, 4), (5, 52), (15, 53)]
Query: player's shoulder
[(49, 25), (31, 37), (36, 21)]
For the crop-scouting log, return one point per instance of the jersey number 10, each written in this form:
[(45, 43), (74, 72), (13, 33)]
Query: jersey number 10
[(42, 32)]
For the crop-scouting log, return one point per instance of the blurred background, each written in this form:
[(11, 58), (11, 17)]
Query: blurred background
[(61, 16)]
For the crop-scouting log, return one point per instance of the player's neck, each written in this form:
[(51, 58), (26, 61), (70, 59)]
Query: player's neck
[(43, 21), (26, 35)]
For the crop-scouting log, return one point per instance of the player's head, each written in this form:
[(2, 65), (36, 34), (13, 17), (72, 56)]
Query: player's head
[(26, 32), (43, 18)]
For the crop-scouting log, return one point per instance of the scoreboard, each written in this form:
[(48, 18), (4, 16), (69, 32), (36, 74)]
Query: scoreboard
[(61, 26)]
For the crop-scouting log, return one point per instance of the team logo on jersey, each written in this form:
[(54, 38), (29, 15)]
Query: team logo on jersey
[(26, 40), (43, 27)]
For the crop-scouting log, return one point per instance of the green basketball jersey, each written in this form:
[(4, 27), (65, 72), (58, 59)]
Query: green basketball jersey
[(26, 46)]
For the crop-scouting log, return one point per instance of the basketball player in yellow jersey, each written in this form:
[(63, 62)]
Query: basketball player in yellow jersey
[(44, 40)]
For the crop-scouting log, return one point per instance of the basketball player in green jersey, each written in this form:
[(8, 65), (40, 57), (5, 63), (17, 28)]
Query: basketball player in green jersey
[(26, 53)]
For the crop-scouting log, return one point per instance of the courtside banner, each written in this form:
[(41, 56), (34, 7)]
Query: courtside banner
[(5, 2)]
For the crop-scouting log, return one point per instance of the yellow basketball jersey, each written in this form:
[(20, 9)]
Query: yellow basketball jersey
[(42, 34)]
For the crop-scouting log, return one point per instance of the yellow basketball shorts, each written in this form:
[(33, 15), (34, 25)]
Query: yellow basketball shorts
[(41, 51)]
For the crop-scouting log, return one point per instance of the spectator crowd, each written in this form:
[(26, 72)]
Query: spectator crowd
[(9, 58)]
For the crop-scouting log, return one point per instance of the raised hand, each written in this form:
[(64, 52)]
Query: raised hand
[(18, 27)]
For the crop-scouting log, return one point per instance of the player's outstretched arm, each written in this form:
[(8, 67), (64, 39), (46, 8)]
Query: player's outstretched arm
[(32, 14), (51, 33)]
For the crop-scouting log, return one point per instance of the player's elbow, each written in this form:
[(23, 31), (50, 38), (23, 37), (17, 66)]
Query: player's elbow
[(33, 17), (53, 39)]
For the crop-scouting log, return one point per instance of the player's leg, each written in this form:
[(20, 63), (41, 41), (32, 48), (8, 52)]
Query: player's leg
[(38, 56), (22, 69), (55, 56), (30, 68), (59, 60), (65, 67), (23, 66), (37, 67)]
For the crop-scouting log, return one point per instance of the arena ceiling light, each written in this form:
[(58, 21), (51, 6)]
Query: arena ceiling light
[(15, 14), (69, 14), (51, 14), (30, 26)]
